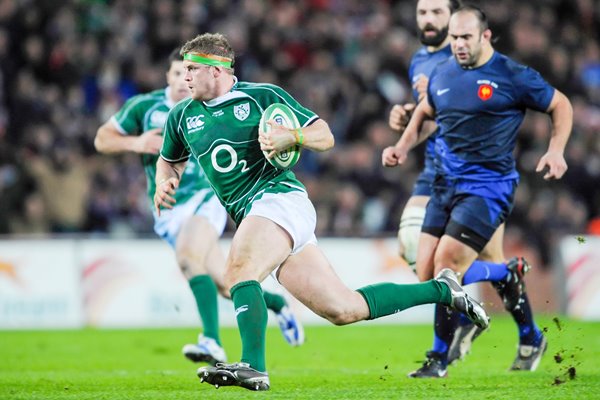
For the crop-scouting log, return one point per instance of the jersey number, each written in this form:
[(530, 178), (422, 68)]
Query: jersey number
[(234, 159)]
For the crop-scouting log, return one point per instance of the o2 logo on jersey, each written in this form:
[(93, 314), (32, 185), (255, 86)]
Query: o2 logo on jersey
[(485, 92), (224, 158)]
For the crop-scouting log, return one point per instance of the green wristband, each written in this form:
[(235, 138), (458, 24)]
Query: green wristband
[(299, 136)]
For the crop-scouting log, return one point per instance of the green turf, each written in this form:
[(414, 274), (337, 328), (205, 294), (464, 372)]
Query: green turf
[(366, 361)]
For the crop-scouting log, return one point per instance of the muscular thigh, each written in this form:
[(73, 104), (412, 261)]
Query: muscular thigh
[(454, 254), (494, 249), (310, 278), (257, 248)]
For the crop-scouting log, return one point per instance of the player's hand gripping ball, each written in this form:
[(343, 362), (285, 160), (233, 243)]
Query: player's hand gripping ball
[(284, 116)]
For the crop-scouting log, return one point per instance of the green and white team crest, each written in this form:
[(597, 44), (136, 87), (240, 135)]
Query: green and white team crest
[(158, 118), (241, 111)]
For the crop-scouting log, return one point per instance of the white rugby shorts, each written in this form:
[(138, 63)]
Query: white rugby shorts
[(168, 225), (293, 211)]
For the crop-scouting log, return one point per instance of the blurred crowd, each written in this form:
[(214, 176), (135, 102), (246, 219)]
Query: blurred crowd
[(67, 66)]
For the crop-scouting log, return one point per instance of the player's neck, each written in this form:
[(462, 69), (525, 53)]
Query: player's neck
[(225, 85), (486, 54)]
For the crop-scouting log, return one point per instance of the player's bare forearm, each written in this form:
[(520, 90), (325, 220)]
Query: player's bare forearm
[(553, 163), (317, 136), (109, 140), (400, 115), (414, 132), (167, 181), (561, 113)]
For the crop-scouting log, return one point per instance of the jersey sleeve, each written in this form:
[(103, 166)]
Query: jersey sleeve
[(128, 120), (174, 148), (411, 75), (432, 78), (534, 91)]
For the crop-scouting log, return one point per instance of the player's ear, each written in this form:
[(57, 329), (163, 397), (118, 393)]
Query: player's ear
[(487, 34)]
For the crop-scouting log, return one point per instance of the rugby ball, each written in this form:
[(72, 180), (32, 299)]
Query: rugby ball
[(284, 116)]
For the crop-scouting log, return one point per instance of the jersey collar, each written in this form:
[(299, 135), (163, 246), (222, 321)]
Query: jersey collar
[(232, 94), (169, 100)]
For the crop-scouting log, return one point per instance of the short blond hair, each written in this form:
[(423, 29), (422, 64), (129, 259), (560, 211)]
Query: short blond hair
[(210, 43)]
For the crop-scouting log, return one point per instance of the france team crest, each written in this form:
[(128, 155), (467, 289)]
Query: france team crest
[(241, 111), (485, 92)]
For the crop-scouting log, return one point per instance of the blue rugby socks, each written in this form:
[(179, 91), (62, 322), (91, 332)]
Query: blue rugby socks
[(485, 271)]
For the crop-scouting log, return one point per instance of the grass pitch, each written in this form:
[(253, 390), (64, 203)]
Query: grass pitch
[(365, 361)]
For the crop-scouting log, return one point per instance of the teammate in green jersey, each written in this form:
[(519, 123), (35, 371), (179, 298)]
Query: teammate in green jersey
[(193, 226), (218, 127)]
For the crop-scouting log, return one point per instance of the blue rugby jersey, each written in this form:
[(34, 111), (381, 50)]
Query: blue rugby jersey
[(479, 111), (422, 63)]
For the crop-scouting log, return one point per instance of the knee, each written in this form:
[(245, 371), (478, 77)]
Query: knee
[(235, 272), (223, 290), (189, 259), (340, 316), (231, 277), (491, 255), (340, 319), (423, 274)]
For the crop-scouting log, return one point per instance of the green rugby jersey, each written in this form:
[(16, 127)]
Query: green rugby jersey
[(222, 134), (148, 111)]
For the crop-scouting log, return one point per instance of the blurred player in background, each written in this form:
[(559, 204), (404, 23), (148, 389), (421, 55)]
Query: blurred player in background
[(479, 98), (453, 334), (275, 218), (192, 228)]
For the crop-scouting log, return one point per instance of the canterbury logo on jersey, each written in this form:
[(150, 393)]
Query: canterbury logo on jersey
[(194, 123)]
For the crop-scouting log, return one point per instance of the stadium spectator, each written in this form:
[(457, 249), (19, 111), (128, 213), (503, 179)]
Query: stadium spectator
[(114, 49)]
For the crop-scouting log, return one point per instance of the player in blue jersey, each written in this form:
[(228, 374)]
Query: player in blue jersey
[(193, 227), (432, 22), (453, 334), (478, 99)]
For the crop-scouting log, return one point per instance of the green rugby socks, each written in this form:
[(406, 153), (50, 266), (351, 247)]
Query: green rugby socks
[(205, 293), (390, 298), (274, 302), (251, 314)]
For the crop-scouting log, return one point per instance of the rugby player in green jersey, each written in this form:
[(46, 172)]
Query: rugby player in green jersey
[(218, 127), (193, 226)]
